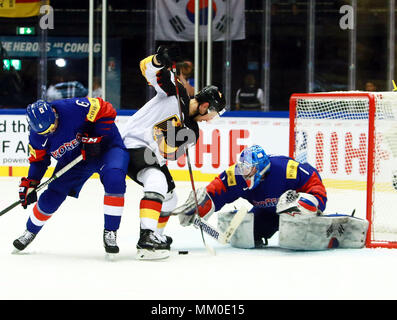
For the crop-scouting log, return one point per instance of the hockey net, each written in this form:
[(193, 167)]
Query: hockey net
[(351, 138)]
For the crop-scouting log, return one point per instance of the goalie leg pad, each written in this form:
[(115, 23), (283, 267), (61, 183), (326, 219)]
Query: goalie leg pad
[(322, 232), (224, 219), (244, 234)]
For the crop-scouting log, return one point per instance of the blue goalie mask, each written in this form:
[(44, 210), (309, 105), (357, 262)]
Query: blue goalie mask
[(253, 164), (41, 117)]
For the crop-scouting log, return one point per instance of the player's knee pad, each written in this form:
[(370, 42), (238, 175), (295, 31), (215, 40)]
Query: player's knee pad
[(153, 180), (149, 195), (113, 181), (322, 232), (50, 200), (243, 237)]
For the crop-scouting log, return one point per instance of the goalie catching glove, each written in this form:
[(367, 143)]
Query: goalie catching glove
[(187, 211), (292, 203), (27, 193)]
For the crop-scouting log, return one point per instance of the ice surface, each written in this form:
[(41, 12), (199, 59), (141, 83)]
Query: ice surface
[(67, 261)]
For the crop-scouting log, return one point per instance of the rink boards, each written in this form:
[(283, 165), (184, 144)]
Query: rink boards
[(219, 143)]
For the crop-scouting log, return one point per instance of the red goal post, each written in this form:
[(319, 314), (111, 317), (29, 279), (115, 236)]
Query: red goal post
[(351, 138)]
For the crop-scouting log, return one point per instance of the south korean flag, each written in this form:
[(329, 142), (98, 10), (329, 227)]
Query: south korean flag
[(175, 20)]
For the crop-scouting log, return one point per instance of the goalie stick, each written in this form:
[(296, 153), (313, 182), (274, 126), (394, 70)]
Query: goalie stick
[(221, 237), (46, 183)]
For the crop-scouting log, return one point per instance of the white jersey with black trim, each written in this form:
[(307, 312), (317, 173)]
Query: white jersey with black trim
[(148, 126)]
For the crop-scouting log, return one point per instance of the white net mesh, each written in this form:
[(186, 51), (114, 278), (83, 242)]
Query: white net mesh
[(331, 133)]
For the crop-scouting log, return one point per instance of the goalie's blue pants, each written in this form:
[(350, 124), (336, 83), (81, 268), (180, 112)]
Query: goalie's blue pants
[(266, 223)]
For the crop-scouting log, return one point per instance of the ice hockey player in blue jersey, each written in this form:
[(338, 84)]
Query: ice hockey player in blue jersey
[(286, 196), (64, 129)]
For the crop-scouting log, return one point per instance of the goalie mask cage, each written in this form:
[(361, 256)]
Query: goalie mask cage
[(351, 138)]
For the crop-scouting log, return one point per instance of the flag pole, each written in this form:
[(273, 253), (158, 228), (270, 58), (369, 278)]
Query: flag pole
[(196, 45)]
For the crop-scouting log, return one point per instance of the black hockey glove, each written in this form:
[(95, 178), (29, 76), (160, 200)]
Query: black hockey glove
[(90, 147), (27, 197), (168, 56)]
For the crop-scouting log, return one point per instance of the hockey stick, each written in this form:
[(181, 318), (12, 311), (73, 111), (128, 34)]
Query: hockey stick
[(209, 249), (222, 237), (46, 183)]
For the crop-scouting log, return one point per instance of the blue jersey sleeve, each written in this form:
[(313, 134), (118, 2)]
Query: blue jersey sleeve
[(39, 158), (310, 182), (226, 188)]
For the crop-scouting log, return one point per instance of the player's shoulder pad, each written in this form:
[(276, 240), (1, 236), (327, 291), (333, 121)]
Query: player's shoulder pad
[(97, 108), (231, 176), (285, 165), (291, 171)]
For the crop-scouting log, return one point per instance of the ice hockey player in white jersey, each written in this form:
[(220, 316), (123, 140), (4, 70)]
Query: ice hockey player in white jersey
[(156, 133)]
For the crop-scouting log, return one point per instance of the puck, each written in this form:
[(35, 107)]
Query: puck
[(183, 252)]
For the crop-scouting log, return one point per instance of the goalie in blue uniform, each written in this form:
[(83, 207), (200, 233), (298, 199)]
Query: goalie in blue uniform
[(286, 196)]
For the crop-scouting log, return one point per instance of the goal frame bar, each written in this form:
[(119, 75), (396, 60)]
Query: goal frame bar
[(370, 243)]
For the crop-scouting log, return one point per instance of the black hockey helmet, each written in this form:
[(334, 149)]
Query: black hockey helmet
[(213, 96)]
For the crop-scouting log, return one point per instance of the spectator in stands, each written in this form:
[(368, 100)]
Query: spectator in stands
[(185, 74), (370, 86), (61, 89), (96, 88), (249, 96)]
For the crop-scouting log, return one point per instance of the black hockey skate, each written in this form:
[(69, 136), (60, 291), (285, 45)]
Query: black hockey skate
[(168, 239), (110, 241), (23, 241), (152, 246)]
